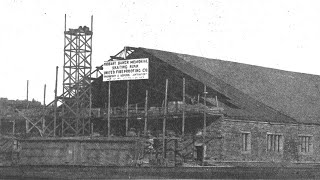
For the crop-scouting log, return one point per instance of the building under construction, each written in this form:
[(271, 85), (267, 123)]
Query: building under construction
[(190, 111)]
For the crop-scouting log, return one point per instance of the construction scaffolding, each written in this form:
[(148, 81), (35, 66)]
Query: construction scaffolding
[(76, 99), (71, 117)]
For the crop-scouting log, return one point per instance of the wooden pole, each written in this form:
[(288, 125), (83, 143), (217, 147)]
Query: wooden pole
[(109, 95), (90, 105), (27, 91), (184, 105), (44, 95), (204, 112), (63, 78), (217, 103), (91, 23), (128, 91), (146, 114), (55, 104), (13, 127), (44, 107), (127, 108), (175, 151), (164, 121), (105, 119), (91, 129), (27, 122), (27, 126)]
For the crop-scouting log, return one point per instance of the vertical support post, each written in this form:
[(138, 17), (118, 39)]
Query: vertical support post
[(104, 117), (27, 122), (55, 104), (109, 96), (27, 127), (44, 95), (27, 91), (77, 94), (90, 91), (175, 151), (217, 103), (146, 114), (91, 23), (198, 98), (184, 105), (44, 107), (90, 111), (63, 83), (164, 121), (91, 129), (127, 108), (128, 91), (205, 111), (165, 149), (13, 127)]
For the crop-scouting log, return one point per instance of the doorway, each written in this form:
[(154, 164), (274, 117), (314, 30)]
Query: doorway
[(200, 151)]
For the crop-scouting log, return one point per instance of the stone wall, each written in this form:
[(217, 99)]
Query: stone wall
[(229, 146), (77, 151)]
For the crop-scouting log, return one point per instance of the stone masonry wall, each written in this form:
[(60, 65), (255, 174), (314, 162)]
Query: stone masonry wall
[(229, 146), (106, 152)]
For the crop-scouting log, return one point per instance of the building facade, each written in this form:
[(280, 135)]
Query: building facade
[(262, 142), (208, 111)]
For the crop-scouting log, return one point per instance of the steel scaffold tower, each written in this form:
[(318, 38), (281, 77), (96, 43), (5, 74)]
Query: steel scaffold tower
[(76, 98)]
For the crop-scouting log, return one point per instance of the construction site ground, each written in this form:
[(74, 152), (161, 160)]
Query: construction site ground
[(101, 172)]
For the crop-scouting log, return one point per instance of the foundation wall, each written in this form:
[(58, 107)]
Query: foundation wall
[(106, 152)]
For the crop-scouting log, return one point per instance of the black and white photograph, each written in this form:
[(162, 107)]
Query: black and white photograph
[(166, 89)]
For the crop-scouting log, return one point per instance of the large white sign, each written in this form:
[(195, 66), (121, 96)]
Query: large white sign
[(126, 69)]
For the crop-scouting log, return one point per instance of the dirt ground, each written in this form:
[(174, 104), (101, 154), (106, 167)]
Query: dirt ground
[(100, 172)]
